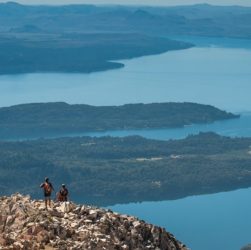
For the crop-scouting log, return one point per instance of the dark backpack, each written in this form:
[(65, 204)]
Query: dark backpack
[(47, 188), (64, 192)]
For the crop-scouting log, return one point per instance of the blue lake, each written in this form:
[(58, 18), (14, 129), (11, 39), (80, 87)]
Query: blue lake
[(217, 72), (210, 75), (209, 222), (233, 128), (240, 127)]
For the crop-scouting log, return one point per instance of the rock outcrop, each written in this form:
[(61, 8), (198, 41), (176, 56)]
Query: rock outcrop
[(248, 247), (26, 224)]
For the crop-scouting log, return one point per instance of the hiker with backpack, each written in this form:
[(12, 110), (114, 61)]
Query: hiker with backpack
[(62, 195), (48, 188)]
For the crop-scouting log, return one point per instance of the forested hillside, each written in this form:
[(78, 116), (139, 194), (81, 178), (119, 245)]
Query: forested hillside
[(110, 170), (57, 119)]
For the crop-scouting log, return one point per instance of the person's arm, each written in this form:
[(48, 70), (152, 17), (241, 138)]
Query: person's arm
[(42, 185), (52, 187)]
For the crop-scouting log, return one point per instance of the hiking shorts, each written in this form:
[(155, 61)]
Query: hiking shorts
[(47, 195)]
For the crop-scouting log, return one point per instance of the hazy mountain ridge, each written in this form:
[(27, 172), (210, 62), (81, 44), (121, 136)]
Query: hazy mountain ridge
[(85, 38), (180, 20)]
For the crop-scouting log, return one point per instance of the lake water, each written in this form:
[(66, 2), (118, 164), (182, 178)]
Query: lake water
[(208, 75), (209, 222), (240, 127), (217, 72), (233, 128)]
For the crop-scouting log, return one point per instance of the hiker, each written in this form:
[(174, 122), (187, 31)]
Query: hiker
[(62, 194), (48, 188)]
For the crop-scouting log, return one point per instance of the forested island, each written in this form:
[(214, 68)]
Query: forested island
[(108, 170), (57, 119), (88, 38)]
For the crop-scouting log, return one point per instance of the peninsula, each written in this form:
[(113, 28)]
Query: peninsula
[(88, 38), (61, 119), (77, 53)]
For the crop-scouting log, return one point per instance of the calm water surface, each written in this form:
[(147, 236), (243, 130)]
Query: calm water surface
[(234, 128), (219, 74), (240, 127), (209, 222), (209, 75)]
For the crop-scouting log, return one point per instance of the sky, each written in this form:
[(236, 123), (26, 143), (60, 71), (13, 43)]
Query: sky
[(137, 2)]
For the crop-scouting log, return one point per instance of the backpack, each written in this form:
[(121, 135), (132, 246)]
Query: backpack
[(64, 192), (47, 188)]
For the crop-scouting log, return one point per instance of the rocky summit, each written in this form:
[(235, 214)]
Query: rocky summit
[(248, 247), (26, 224)]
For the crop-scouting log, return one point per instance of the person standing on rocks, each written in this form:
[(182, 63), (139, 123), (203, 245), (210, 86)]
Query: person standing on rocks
[(63, 194), (48, 188)]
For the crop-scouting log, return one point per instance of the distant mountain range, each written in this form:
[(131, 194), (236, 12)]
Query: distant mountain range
[(202, 19), (85, 38)]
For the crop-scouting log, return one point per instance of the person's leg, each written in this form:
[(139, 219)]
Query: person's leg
[(45, 200)]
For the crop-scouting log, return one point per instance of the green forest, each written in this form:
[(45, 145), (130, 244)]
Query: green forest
[(86, 53), (60, 119), (107, 170)]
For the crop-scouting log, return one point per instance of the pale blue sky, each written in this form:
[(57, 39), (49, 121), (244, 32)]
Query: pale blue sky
[(139, 2)]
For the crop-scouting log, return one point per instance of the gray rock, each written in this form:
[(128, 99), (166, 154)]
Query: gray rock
[(248, 247), (25, 224)]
